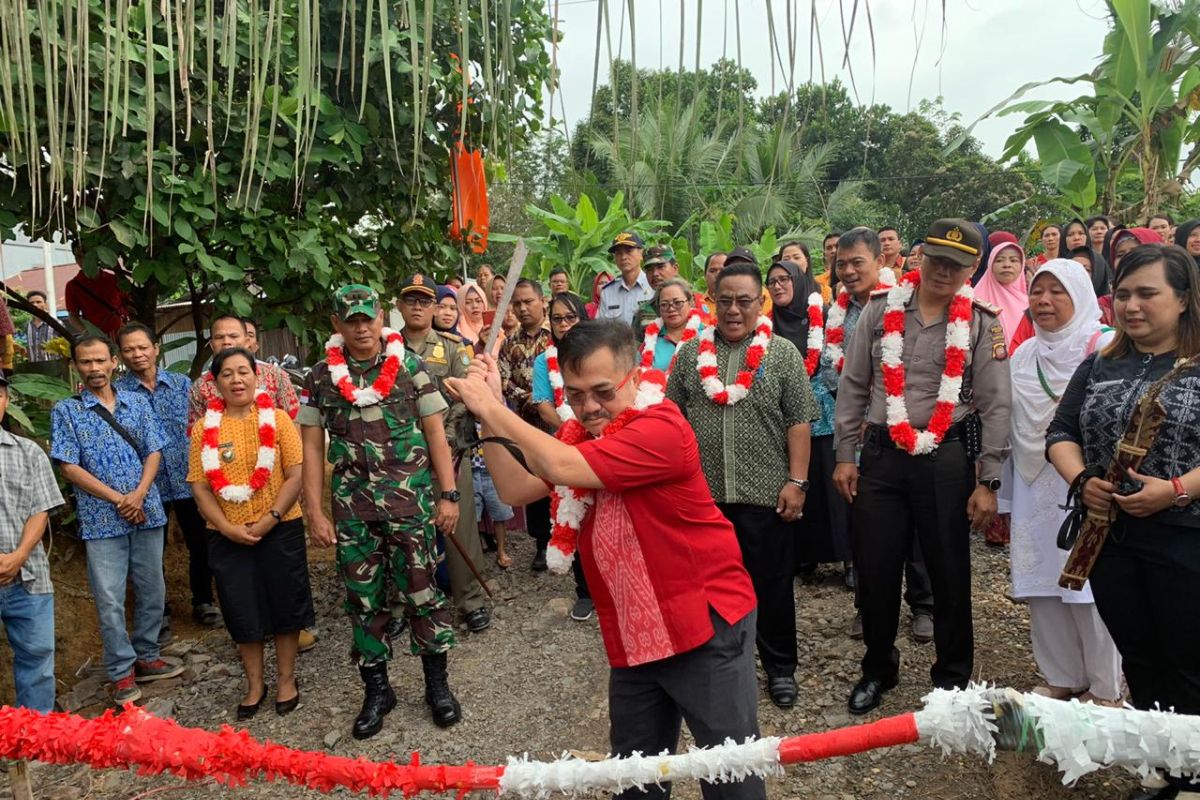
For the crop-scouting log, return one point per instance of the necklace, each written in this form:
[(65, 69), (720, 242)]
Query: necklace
[(1042, 380), (339, 373), (835, 326), (816, 334), (210, 457), (958, 336), (556, 384), (706, 364), (569, 506), (651, 339)]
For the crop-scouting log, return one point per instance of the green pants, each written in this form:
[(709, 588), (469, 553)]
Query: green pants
[(400, 553)]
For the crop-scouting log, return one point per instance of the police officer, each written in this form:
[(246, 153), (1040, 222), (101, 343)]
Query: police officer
[(446, 356), (621, 298), (383, 415), (909, 484)]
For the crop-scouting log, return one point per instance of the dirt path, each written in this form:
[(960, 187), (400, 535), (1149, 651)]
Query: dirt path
[(536, 682)]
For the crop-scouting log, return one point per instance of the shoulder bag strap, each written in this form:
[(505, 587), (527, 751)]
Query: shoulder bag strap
[(106, 415)]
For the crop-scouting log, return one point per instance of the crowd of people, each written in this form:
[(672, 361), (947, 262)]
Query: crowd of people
[(685, 455)]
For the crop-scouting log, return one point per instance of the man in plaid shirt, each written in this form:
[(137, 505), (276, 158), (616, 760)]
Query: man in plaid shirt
[(27, 492)]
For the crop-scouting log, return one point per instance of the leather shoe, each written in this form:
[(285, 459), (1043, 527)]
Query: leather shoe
[(478, 620), (868, 693), (396, 627), (850, 578), (922, 628), (782, 691), (245, 712), (856, 630), (539, 562)]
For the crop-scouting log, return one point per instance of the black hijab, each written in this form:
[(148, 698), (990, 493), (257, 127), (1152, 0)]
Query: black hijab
[(1101, 271), (1184, 231), (791, 321)]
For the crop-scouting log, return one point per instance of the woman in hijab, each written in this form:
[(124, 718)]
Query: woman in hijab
[(599, 282), (446, 313), (1003, 285), (1187, 236), (1072, 647), (472, 303), (1119, 244), (823, 533)]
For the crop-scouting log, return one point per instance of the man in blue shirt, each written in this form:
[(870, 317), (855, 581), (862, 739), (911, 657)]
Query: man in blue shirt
[(108, 445), (168, 394), (621, 299)]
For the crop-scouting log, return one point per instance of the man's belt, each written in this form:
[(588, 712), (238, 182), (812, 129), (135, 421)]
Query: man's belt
[(955, 433)]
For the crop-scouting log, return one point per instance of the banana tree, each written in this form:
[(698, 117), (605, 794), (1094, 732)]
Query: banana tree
[(1136, 114)]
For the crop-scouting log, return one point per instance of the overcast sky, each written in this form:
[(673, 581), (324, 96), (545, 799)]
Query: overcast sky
[(990, 48)]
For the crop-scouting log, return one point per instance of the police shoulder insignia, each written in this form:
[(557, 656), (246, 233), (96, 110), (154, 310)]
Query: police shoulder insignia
[(451, 336), (984, 305), (999, 348)]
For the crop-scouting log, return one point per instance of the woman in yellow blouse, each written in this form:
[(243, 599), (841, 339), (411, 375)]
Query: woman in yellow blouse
[(244, 469)]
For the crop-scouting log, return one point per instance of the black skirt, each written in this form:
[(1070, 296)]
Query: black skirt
[(263, 588)]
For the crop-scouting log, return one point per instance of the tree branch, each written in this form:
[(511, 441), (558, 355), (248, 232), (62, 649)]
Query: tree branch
[(18, 300)]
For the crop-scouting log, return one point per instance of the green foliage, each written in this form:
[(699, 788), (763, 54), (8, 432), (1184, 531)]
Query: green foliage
[(288, 163), (577, 238)]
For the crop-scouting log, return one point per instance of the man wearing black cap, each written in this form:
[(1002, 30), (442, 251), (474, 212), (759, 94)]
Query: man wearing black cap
[(620, 299), (445, 356), (919, 474)]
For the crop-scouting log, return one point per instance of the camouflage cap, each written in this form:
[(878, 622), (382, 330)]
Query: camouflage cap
[(658, 255), (356, 298)]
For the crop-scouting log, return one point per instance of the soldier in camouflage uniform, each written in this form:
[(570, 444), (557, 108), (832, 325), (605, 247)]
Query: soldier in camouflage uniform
[(444, 355), (381, 450)]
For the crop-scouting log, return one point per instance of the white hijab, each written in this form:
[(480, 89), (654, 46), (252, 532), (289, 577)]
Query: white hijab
[(1058, 353)]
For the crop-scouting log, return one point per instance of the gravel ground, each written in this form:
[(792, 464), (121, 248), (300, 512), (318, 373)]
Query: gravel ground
[(536, 682)]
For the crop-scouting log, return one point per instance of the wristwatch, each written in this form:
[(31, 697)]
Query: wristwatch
[(278, 517), (992, 485), (453, 496), (1182, 498), (801, 483)]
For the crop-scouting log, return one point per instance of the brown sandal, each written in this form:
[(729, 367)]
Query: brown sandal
[(504, 562)]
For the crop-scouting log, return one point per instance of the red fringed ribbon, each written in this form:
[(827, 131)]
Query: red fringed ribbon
[(888, 732)]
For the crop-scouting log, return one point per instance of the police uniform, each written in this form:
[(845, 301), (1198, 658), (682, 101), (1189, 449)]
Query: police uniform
[(619, 301), (383, 503), (901, 494), (444, 355)]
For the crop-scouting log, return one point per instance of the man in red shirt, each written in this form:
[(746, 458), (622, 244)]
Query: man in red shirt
[(98, 300), (676, 606)]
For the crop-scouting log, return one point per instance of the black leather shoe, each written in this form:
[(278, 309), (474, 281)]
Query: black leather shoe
[(439, 698), (378, 700), (288, 706), (247, 712), (1165, 793), (396, 627), (539, 562), (850, 578), (868, 693), (782, 691), (478, 620)]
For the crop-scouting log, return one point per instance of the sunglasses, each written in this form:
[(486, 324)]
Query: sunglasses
[(578, 399)]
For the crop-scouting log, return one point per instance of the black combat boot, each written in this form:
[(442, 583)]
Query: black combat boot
[(446, 710), (378, 700)]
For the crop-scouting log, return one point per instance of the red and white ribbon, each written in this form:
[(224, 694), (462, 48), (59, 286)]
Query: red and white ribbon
[(556, 385), (382, 387), (835, 325), (650, 340), (816, 334), (958, 338), (706, 364), (210, 456)]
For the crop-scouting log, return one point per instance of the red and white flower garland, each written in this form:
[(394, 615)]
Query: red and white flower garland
[(835, 326), (958, 339), (570, 506), (382, 387), (653, 330), (706, 364), (556, 384), (210, 457), (816, 333)]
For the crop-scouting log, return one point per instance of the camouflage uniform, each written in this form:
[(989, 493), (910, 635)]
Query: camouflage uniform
[(383, 504), (445, 356)]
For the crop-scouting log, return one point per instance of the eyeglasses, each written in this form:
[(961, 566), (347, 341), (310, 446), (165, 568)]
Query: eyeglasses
[(417, 300), (672, 305), (564, 319), (743, 303), (578, 399), (779, 280)]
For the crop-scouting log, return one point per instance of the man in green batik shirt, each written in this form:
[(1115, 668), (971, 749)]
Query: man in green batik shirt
[(755, 456), (382, 441)]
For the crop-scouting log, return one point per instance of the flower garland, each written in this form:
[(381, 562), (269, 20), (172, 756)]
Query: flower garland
[(210, 457), (958, 338), (382, 387), (706, 364), (569, 506), (835, 326), (556, 383), (650, 341), (816, 333)]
